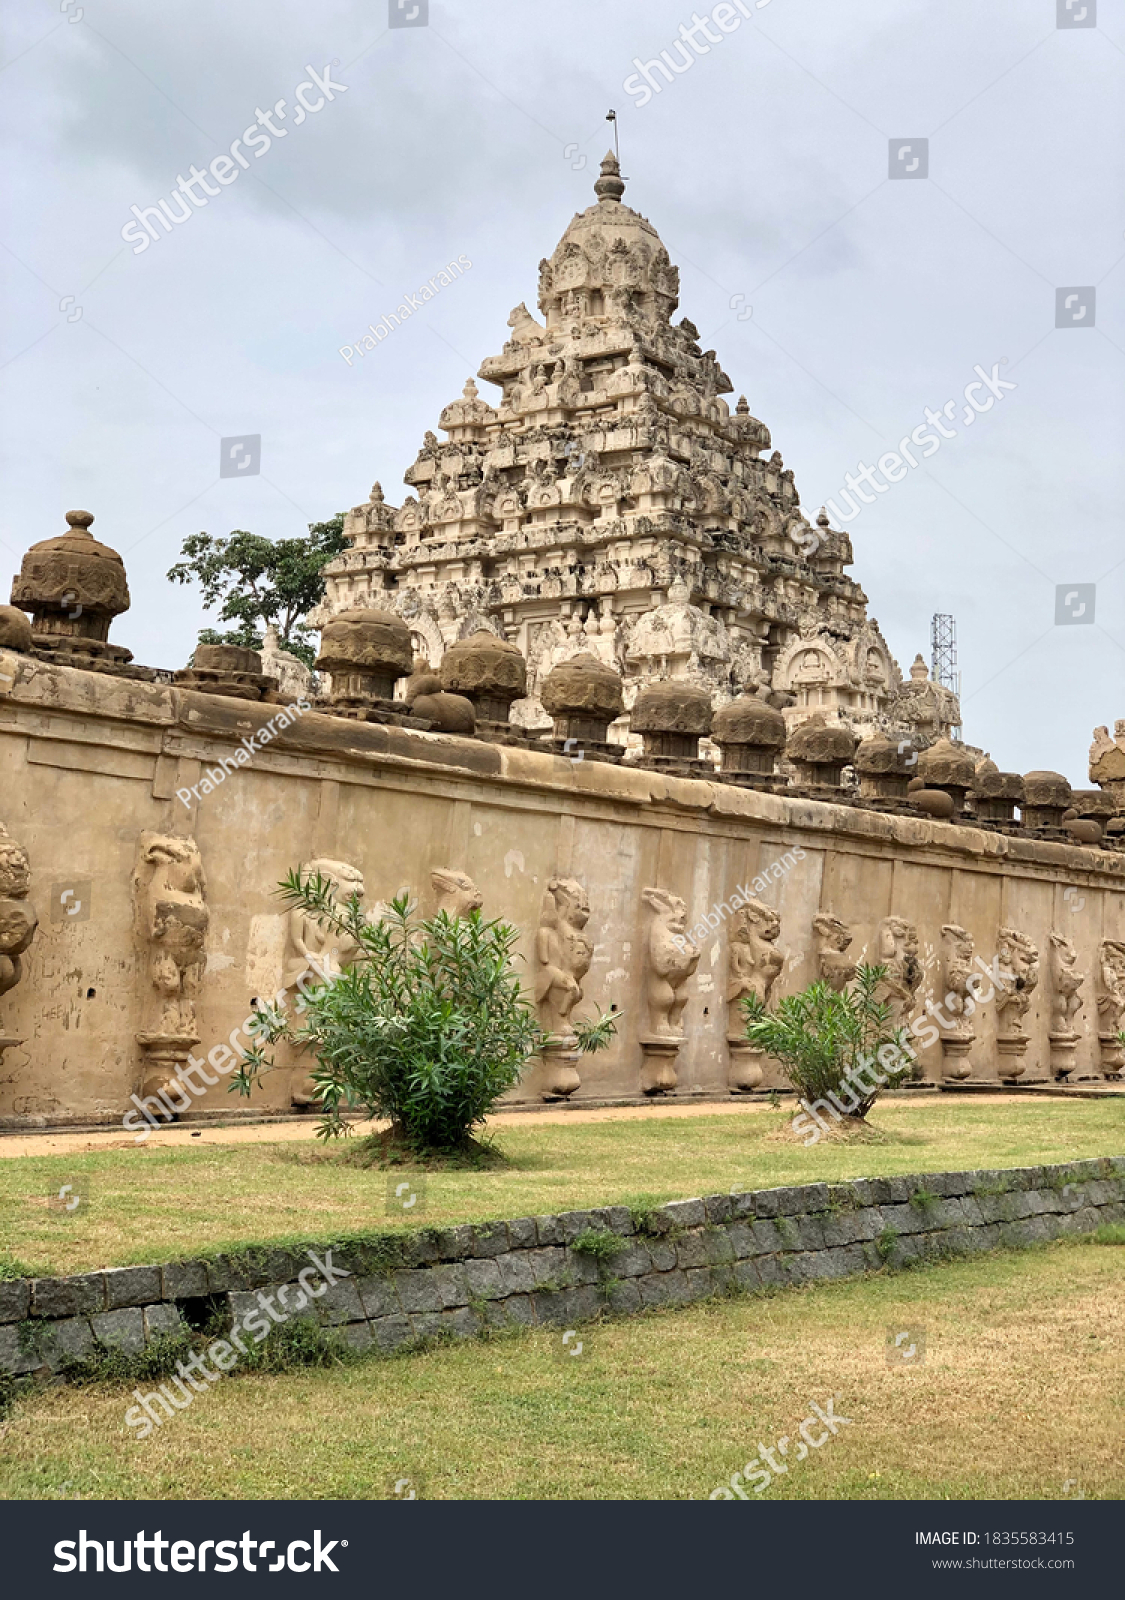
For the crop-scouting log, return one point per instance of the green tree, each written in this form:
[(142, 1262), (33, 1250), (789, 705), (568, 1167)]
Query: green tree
[(427, 1028), (258, 581), (824, 1040)]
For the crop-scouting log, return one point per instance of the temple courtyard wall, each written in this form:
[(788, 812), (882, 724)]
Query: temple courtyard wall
[(124, 874)]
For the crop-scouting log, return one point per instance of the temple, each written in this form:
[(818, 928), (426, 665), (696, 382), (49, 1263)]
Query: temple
[(610, 503)]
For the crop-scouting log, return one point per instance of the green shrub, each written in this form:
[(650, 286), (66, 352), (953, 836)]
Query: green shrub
[(428, 1027), (599, 1243), (825, 1040)]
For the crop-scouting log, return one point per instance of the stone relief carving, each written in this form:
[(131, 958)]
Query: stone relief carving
[(456, 892), (1111, 1004), (18, 919), (957, 968), (833, 937), (753, 964), (670, 959), (171, 920), (564, 954), (1018, 960), (315, 953), (1066, 1002), (897, 949)]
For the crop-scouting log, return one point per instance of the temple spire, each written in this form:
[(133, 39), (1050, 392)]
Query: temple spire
[(610, 186)]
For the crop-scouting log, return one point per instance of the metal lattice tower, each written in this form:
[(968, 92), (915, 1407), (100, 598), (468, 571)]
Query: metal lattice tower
[(943, 655)]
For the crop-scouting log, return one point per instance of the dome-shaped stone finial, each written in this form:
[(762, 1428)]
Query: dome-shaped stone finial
[(74, 587), (742, 409), (820, 750), (582, 696), (610, 186), (1046, 796), (470, 390), (919, 671), (949, 767), (672, 716), (365, 652), (750, 734), (376, 493), (822, 518), (488, 671)]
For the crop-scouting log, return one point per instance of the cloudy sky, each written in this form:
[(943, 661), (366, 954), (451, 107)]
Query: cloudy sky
[(764, 166)]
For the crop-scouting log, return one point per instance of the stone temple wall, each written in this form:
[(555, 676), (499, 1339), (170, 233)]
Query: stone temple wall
[(159, 921)]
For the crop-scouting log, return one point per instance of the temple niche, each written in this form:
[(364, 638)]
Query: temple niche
[(611, 502)]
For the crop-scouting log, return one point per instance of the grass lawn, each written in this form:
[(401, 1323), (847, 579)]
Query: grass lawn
[(152, 1203), (1020, 1397)]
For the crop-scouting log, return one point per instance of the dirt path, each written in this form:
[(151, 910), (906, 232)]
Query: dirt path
[(58, 1144)]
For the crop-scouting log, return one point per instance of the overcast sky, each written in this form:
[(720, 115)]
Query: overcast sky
[(764, 166)]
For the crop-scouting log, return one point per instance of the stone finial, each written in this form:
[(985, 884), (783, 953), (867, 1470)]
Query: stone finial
[(487, 670), (227, 669), (365, 652), (583, 696), (610, 186), (74, 587), (995, 794), (15, 630), (884, 767), (742, 409), (820, 750), (1047, 796), (750, 733), (672, 717), (919, 671), (949, 767)]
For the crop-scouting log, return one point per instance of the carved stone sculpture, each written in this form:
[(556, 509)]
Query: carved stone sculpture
[(753, 963), (896, 949), (670, 959), (1111, 1005), (456, 892), (73, 586), (316, 953), (564, 954), (18, 919), (1018, 960), (171, 920), (833, 937), (1107, 761), (1066, 1002), (958, 1038)]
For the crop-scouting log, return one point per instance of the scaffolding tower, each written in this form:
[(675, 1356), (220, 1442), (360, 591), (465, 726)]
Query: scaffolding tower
[(943, 656)]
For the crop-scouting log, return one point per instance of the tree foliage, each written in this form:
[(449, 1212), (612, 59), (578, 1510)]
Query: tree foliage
[(256, 581), (428, 1027), (823, 1037)]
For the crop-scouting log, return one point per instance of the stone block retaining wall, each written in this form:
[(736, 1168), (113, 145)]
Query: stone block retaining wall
[(459, 1281)]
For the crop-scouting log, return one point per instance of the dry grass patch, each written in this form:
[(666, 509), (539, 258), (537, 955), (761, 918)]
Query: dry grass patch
[(1021, 1392)]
